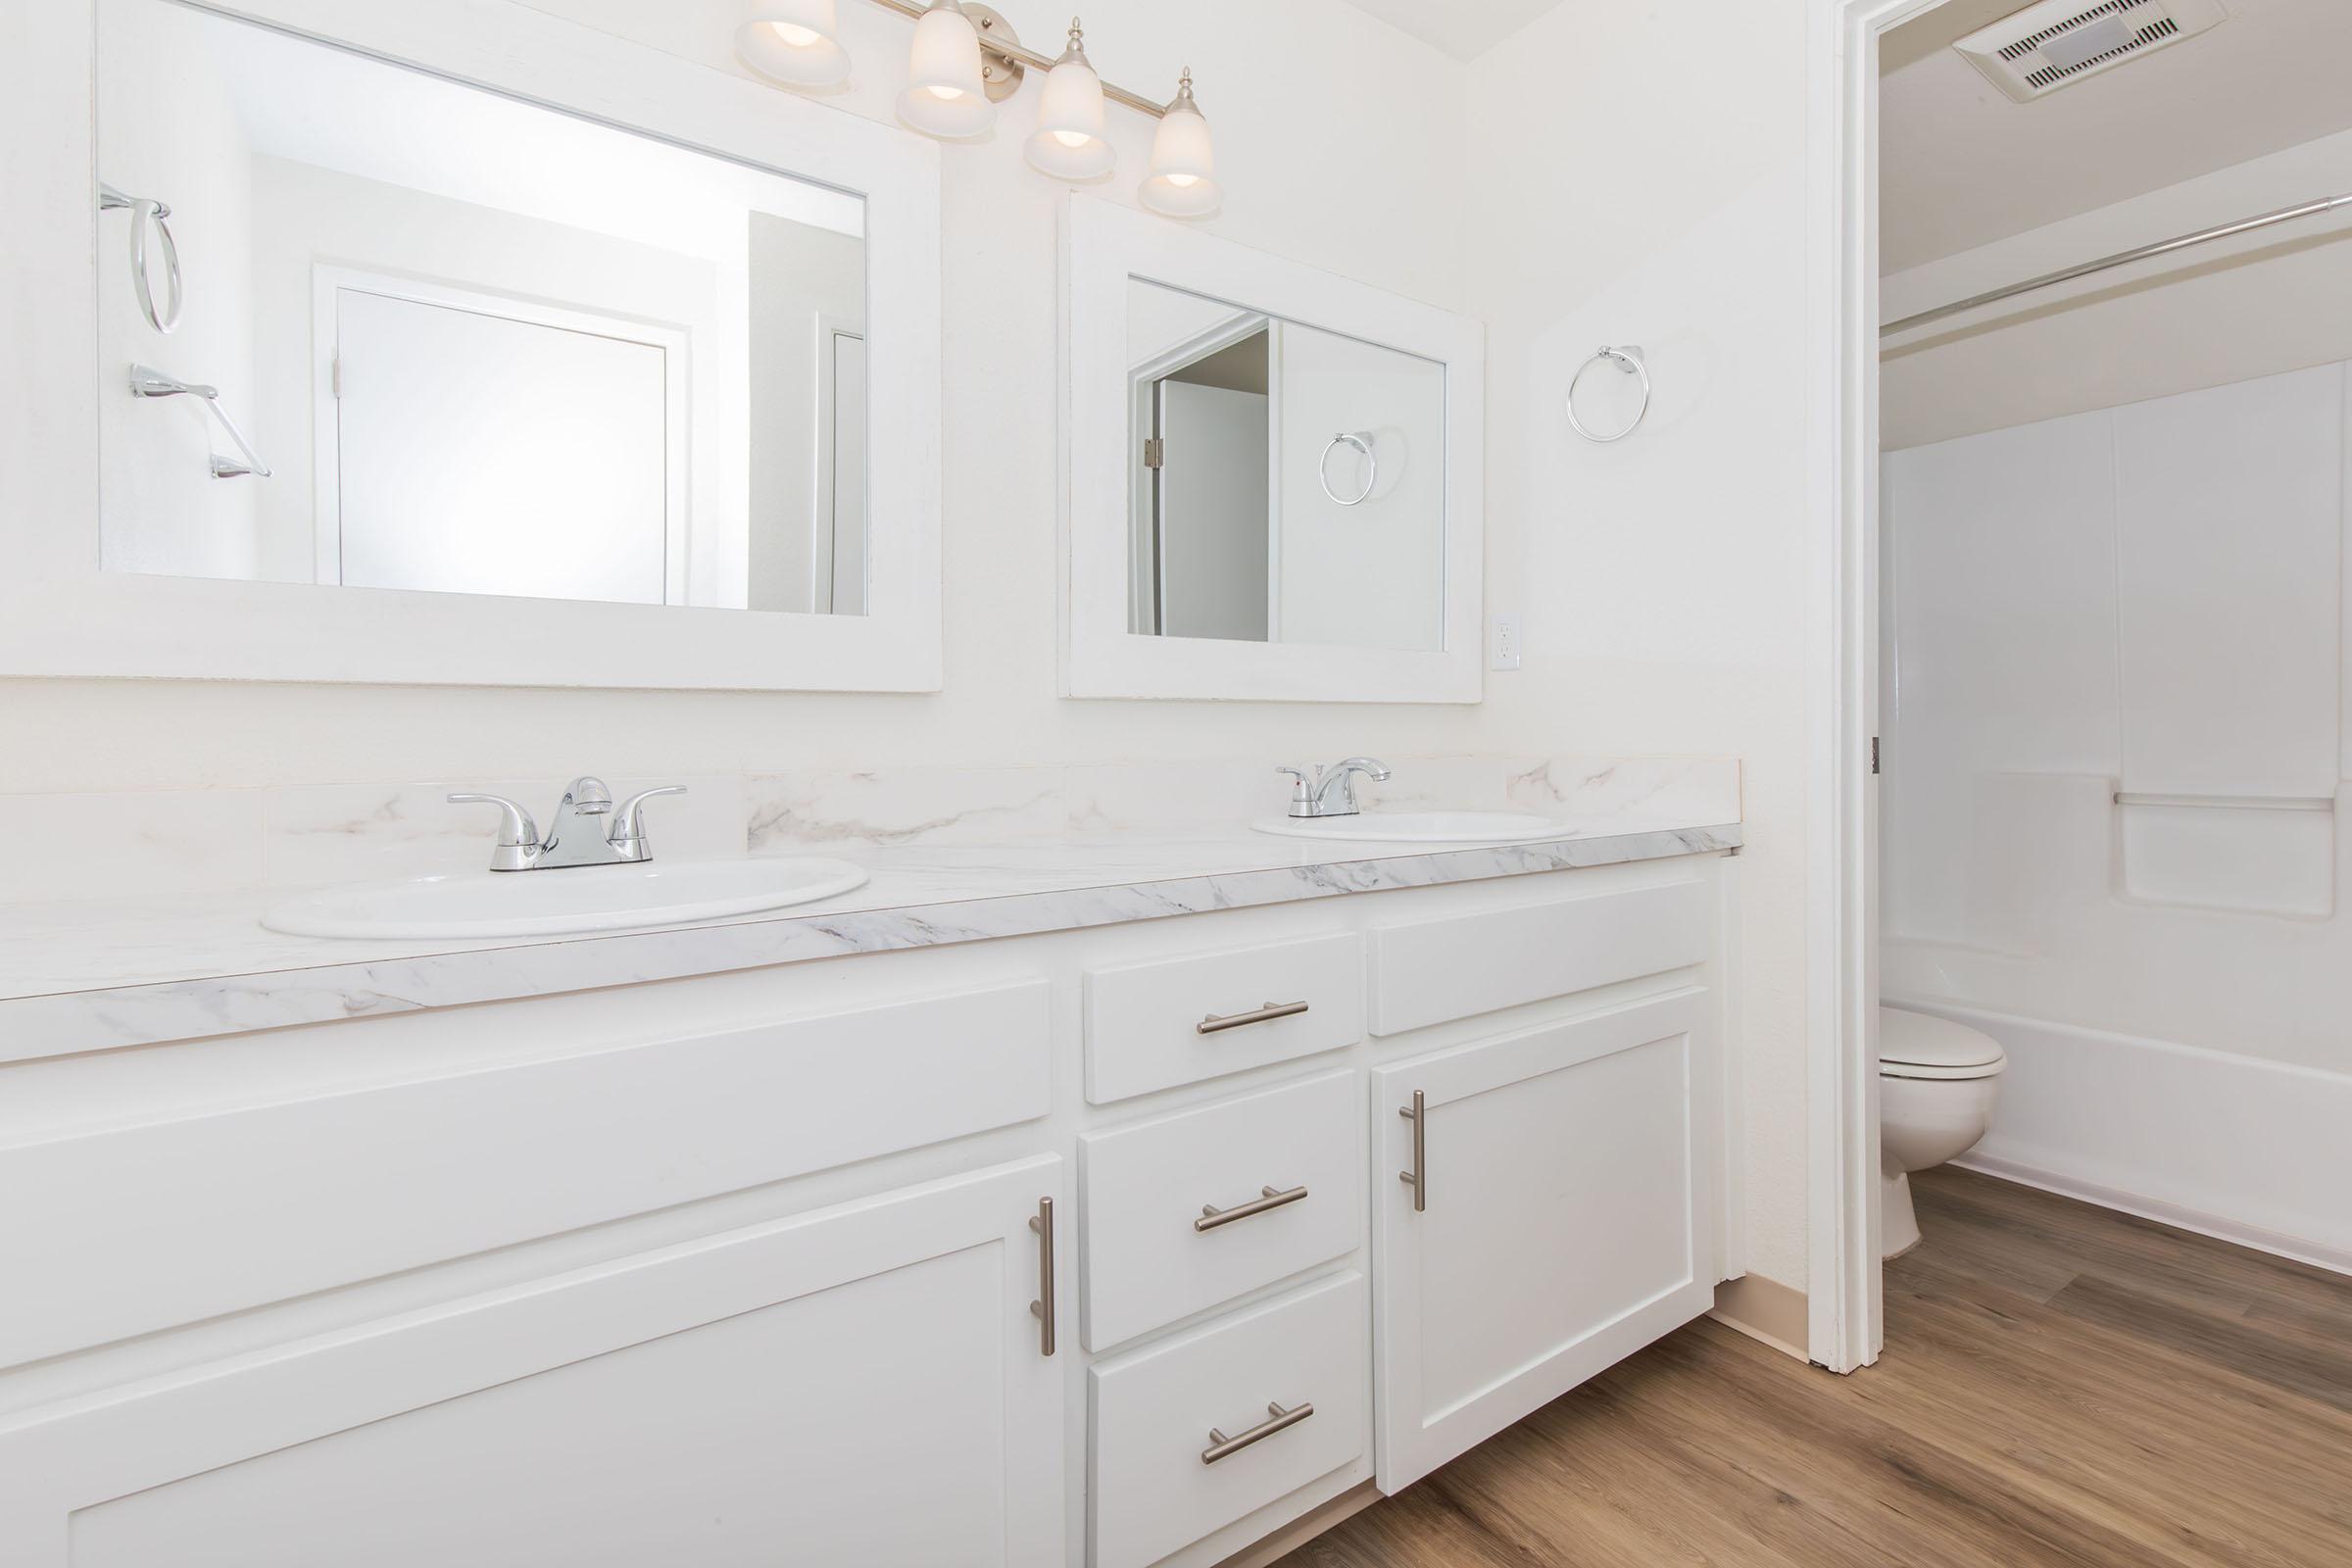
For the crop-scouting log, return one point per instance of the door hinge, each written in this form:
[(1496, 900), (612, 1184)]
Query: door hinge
[(1155, 453), (1874, 754), (335, 376)]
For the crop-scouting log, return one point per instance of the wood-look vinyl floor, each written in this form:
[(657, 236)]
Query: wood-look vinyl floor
[(2061, 1385)]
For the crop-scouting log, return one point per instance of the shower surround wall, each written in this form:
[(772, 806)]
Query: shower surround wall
[(2143, 600)]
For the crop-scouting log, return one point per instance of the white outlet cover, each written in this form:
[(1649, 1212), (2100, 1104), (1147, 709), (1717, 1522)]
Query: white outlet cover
[(1503, 642)]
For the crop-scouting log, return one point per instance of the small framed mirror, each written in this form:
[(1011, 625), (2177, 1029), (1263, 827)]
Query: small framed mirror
[(451, 341), (1273, 476)]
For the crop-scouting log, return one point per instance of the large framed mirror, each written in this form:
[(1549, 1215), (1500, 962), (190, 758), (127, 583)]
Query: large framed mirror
[(1274, 477), (452, 341)]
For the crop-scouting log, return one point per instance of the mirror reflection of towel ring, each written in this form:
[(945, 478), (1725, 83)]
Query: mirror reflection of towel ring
[(145, 211), (1363, 442), (1626, 360)]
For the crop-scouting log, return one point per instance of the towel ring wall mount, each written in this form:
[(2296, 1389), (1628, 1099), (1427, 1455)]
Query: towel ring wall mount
[(146, 212), (1361, 440), (1628, 360)]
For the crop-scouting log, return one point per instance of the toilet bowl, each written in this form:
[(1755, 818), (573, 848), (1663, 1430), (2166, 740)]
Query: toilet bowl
[(1938, 1084)]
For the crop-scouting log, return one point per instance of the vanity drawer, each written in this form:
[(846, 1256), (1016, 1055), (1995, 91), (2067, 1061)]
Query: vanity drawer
[(1157, 1025), (1436, 970), (1154, 1410), (1147, 1259), (157, 1223)]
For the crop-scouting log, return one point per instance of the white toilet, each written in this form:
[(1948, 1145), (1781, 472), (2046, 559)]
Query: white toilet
[(1938, 1084)]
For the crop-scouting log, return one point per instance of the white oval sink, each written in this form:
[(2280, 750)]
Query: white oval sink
[(475, 906), (1422, 827)]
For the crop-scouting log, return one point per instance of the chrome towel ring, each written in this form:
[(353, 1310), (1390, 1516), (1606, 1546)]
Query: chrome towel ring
[(1363, 442), (1626, 360), (146, 211)]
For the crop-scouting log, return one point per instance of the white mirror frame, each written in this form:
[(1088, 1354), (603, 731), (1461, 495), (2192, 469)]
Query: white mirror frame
[(59, 615), (1104, 246)]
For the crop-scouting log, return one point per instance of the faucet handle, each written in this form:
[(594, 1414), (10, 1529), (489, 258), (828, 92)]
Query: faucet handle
[(516, 829), (629, 824), (1303, 793)]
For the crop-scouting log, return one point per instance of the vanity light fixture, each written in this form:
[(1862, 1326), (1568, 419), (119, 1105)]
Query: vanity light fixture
[(1070, 141), (796, 41), (945, 96), (966, 60), (1183, 182)]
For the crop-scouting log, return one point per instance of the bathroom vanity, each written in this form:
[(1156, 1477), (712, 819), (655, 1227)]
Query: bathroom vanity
[(1113, 1216), (1101, 1199)]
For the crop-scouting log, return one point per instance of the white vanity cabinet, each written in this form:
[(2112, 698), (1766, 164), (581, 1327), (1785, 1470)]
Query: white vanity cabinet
[(1551, 1210), (755, 1268), (860, 1385)]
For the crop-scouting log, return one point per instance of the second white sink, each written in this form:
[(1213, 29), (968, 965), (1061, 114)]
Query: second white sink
[(481, 905), (1422, 827)]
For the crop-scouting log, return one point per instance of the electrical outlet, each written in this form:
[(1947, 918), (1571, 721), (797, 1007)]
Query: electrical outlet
[(1502, 646)]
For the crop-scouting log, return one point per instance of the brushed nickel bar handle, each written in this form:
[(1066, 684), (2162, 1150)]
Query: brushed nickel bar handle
[(1418, 1177), (1222, 1446), (1042, 1308), (1212, 1217), (1212, 1024)]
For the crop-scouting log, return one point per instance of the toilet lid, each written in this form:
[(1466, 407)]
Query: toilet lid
[(1915, 1040)]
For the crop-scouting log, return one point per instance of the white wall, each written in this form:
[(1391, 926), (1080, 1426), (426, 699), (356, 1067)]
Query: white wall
[(1373, 574), (1639, 177), (2147, 599)]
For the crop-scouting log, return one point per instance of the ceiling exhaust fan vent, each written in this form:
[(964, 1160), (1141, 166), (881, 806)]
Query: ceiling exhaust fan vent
[(2060, 42)]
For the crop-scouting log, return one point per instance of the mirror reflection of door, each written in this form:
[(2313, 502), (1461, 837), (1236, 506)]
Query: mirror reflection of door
[(483, 446), (1209, 460)]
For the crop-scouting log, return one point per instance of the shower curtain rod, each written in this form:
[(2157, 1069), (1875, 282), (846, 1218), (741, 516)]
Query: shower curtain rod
[(2286, 214)]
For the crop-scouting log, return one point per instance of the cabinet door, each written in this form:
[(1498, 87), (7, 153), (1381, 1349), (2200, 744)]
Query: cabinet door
[(862, 1384), (1567, 1181)]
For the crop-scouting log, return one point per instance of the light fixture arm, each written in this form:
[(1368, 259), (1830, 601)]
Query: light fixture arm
[(998, 42)]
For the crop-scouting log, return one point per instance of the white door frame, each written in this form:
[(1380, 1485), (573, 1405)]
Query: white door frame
[(823, 507), (1845, 1318)]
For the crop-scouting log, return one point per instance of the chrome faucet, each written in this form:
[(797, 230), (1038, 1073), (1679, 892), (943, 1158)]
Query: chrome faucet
[(1332, 793), (579, 835)]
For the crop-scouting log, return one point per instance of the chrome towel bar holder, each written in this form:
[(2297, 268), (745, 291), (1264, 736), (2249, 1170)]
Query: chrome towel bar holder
[(146, 383), (1626, 360)]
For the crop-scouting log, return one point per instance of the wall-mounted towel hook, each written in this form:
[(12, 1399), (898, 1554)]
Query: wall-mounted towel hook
[(1628, 360)]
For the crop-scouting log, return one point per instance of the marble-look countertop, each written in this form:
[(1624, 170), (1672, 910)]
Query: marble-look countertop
[(101, 974)]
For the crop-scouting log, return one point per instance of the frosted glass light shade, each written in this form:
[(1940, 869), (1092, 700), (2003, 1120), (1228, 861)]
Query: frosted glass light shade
[(1068, 143), (945, 96), (796, 41), (1183, 180)]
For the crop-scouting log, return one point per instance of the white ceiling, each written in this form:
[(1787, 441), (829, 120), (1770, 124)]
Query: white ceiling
[(1463, 29), (1961, 166)]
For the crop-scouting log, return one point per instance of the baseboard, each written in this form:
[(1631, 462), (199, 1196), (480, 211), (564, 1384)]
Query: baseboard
[(2219, 1227), (2237, 1148), (1305, 1527), (1766, 1311)]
